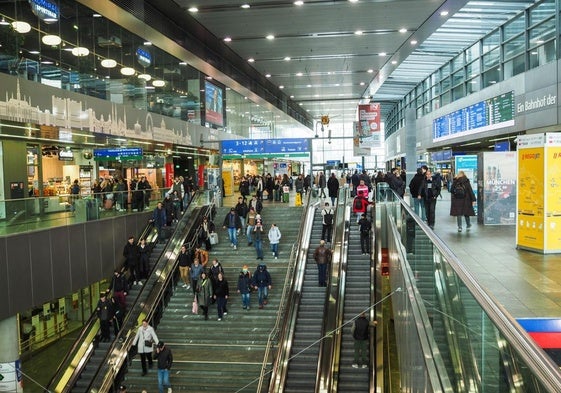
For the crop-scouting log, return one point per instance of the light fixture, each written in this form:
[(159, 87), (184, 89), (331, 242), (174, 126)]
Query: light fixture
[(414, 42), (443, 13), (80, 51), (270, 37), (403, 30), (21, 27), (281, 87), (358, 32), (382, 54), (182, 63), (267, 75), (298, 2), (147, 43), (299, 74), (96, 15), (287, 58), (146, 77), (193, 9), (108, 63), (127, 71), (51, 39), (3, 22), (251, 60), (370, 71), (158, 83), (394, 62), (227, 39), (245, 6)]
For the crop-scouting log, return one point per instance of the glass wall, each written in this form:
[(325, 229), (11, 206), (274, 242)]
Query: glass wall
[(525, 42)]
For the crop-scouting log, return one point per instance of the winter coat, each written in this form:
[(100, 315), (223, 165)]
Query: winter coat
[(322, 255), (159, 217), (204, 291), (415, 185), (244, 282), (462, 206), (274, 235), (360, 329), (165, 358), (333, 187), (261, 277), (221, 288), (132, 254), (196, 271), (232, 220), (144, 335)]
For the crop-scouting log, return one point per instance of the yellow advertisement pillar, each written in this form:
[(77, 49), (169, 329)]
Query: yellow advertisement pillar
[(228, 180), (538, 223)]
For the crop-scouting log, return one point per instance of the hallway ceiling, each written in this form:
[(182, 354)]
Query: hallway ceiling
[(331, 55)]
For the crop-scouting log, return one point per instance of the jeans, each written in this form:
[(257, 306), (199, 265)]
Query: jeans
[(322, 272), (275, 249), (242, 219), (163, 379), (459, 220), (262, 293), (333, 201), (419, 207), (221, 306), (233, 235), (248, 234), (259, 248), (245, 300)]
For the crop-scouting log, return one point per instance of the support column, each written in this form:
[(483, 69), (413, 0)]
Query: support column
[(410, 143), (10, 366)]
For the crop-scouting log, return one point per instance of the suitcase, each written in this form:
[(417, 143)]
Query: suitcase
[(213, 237), (285, 197)]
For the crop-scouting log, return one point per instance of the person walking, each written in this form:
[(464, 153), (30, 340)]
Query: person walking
[(160, 221), (322, 256), (233, 223), (250, 222), (262, 282), (322, 183), (463, 199), (144, 340), (184, 261), (365, 226), (430, 190), (204, 293), (105, 314), (258, 238), (327, 214), (333, 188), (221, 293), (274, 239), (194, 274), (165, 360), (131, 252), (361, 334), (415, 191), (244, 287)]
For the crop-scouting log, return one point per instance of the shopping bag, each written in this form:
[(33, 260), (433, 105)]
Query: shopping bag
[(213, 237), (195, 309)]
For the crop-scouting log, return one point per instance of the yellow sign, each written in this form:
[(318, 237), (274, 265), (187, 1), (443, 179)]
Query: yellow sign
[(228, 181), (553, 192), (530, 225)]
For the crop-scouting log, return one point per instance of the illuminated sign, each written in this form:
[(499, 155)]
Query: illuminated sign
[(45, 10), (66, 155), (118, 154), (143, 57), (286, 146)]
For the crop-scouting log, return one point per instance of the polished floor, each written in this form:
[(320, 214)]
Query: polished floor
[(527, 284)]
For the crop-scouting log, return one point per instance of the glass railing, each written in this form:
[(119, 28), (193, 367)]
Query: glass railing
[(38, 213), (451, 334)]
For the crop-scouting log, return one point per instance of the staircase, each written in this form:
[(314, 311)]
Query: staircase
[(227, 355), (357, 299), (302, 367)]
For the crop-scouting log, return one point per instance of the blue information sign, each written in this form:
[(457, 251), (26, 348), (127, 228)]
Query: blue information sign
[(125, 153), (243, 146), (477, 116), (265, 146)]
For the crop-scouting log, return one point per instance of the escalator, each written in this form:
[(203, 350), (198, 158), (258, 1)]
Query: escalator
[(82, 364), (303, 362), (356, 300)]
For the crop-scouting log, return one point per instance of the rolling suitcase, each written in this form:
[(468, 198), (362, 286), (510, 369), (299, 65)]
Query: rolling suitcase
[(213, 237)]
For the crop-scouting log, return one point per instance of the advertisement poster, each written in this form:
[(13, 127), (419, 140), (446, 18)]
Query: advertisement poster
[(530, 191), (499, 188), (11, 380), (358, 148), (369, 121), (468, 164), (553, 192), (214, 112), (228, 180)]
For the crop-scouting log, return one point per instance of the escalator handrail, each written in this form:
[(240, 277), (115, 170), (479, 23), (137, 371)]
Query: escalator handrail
[(86, 332), (279, 370), (537, 360)]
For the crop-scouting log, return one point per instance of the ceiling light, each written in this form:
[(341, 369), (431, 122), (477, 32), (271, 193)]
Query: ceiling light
[(96, 15), (394, 62), (158, 83), (414, 42), (183, 63), (370, 71), (287, 58), (21, 27), (308, 85), (146, 77), (227, 39), (358, 32), (108, 63), (362, 83), (270, 37), (300, 104), (34, 52), (80, 51), (251, 60), (267, 75), (46, 62), (353, 1), (127, 71), (3, 22), (147, 43), (281, 87), (291, 96), (51, 39), (193, 9), (298, 2), (245, 6), (403, 30), (382, 54), (443, 13), (299, 74)]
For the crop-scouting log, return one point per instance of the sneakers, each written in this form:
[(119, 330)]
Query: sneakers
[(468, 227), (265, 302), (140, 283), (169, 390), (188, 286), (276, 258), (232, 245), (235, 247), (225, 313), (355, 365), (219, 319), (273, 254), (184, 286), (260, 306), (459, 229), (135, 283), (364, 366)]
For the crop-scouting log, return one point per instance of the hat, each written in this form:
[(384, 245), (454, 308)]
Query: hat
[(258, 216), (161, 344)]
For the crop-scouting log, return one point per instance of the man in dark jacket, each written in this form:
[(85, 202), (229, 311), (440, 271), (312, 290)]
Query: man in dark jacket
[(430, 190), (234, 224), (242, 209), (160, 221), (322, 256), (119, 286), (365, 227), (105, 314), (360, 330), (165, 360), (131, 252), (262, 281), (415, 190), (396, 183), (333, 188)]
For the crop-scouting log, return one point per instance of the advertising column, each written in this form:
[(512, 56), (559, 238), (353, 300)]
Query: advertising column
[(553, 193), (530, 192)]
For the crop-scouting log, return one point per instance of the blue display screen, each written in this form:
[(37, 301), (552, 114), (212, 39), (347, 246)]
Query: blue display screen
[(265, 146), (118, 153)]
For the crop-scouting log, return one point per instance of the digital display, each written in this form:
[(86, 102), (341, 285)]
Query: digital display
[(120, 154), (213, 104), (268, 146), (491, 114)]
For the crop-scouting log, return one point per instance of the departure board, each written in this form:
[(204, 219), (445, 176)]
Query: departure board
[(493, 113)]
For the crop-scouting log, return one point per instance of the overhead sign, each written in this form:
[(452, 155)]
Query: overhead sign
[(143, 57), (65, 155), (45, 10), (118, 154), (269, 147)]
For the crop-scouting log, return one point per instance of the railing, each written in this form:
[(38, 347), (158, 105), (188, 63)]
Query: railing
[(35, 213), (503, 357)]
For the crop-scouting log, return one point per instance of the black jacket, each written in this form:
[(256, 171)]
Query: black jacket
[(221, 288), (165, 358), (415, 185), (131, 253), (360, 329)]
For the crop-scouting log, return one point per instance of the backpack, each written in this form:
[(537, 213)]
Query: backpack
[(358, 204), (328, 217), (459, 191)]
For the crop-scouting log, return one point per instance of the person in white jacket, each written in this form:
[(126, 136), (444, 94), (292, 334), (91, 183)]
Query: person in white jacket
[(144, 336), (274, 239)]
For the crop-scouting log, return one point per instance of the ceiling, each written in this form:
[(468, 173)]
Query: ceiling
[(329, 55)]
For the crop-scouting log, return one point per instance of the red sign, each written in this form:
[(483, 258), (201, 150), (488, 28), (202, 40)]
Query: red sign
[(369, 118)]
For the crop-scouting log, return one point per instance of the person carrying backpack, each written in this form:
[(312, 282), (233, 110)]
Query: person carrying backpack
[(360, 206), (327, 228), (463, 199)]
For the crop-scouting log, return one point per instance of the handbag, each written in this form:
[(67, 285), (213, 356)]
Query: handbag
[(195, 309), (148, 343)]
